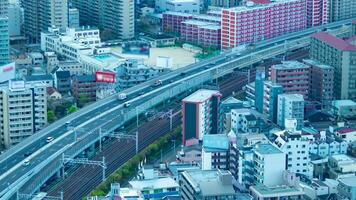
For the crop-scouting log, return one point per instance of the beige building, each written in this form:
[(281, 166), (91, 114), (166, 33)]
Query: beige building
[(24, 111)]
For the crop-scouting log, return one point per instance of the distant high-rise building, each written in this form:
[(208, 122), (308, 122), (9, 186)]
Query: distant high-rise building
[(260, 77), (290, 106), (200, 114), (73, 18), (341, 55), (39, 15), (16, 16), (341, 9), (4, 32), (252, 23), (318, 12), (116, 19)]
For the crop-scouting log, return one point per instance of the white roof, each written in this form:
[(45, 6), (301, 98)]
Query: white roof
[(156, 183), (201, 95)]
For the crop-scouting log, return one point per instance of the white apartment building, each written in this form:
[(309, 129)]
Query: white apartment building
[(269, 164), (296, 147), (243, 121), (24, 110), (72, 43), (290, 106)]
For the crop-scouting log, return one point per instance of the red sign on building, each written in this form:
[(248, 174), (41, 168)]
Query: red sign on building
[(105, 77)]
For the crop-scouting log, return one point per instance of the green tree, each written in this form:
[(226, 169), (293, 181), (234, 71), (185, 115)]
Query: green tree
[(72, 109), (50, 116)]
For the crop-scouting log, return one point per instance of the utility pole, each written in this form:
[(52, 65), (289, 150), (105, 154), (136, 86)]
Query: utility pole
[(170, 120), (100, 143)]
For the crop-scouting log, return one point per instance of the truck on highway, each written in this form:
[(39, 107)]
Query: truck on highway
[(121, 96)]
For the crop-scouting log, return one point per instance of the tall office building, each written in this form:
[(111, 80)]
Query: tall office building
[(73, 18), (290, 106), (341, 55), (24, 111), (4, 32), (260, 77), (341, 9), (116, 19), (39, 15), (200, 114)]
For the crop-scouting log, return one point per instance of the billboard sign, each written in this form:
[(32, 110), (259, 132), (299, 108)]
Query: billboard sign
[(105, 77), (7, 72), (136, 48)]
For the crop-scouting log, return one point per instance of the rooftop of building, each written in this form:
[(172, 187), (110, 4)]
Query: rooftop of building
[(63, 74), (177, 14), (343, 158), (155, 183), (215, 142), (290, 65), (346, 102), (250, 5), (201, 95), (337, 43), (207, 17), (292, 97), (349, 181), (203, 24), (277, 191), (208, 183), (267, 148), (84, 78), (317, 64), (38, 78), (231, 100), (345, 130), (183, 1)]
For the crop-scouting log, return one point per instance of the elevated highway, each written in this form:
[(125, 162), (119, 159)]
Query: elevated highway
[(89, 125)]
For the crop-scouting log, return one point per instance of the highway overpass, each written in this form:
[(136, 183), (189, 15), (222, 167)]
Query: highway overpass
[(90, 124)]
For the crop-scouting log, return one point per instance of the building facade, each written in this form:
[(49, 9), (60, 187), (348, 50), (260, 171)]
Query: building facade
[(252, 23), (115, 18), (24, 110), (318, 12), (200, 114), (171, 21), (290, 106), (341, 9), (321, 80), (266, 172), (84, 88), (270, 99), (296, 147), (341, 55), (293, 76), (215, 152), (39, 15), (73, 18), (4, 33), (202, 33)]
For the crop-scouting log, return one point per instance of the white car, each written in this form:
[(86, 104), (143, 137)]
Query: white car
[(26, 162), (49, 139)]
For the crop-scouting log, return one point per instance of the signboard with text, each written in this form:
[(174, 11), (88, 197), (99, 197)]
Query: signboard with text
[(105, 77), (7, 72)]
